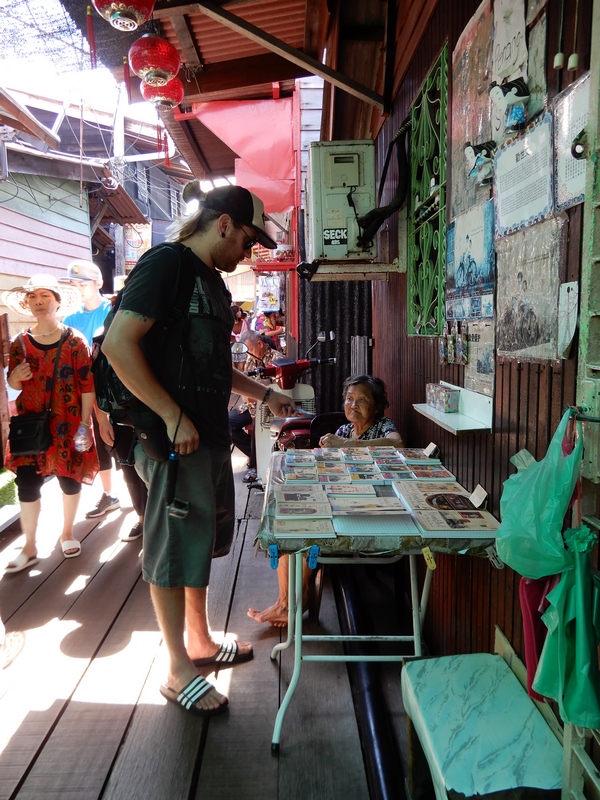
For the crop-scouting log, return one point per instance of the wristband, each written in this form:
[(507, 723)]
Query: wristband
[(85, 424), (268, 394)]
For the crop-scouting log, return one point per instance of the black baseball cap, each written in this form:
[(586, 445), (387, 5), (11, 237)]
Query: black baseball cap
[(243, 207)]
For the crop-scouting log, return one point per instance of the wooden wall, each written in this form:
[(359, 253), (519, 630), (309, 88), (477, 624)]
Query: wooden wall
[(469, 596), (42, 228)]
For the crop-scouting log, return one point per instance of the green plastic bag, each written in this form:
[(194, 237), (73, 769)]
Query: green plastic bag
[(533, 507), (568, 667)]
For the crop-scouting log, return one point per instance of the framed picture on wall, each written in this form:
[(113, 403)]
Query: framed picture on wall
[(571, 111)]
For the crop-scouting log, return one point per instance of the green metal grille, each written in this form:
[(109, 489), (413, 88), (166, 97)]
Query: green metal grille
[(427, 203)]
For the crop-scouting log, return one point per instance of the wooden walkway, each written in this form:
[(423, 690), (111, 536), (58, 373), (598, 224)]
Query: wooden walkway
[(80, 712)]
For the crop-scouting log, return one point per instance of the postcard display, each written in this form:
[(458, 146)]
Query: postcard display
[(515, 168), (377, 492)]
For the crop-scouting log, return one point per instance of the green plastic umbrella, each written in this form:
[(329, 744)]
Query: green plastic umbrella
[(568, 666)]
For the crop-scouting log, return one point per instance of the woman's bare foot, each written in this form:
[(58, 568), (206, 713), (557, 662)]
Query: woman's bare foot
[(276, 615)]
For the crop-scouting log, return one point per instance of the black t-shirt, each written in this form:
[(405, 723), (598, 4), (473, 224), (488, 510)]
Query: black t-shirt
[(189, 352)]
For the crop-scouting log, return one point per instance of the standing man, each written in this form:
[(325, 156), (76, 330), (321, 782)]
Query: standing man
[(116, 440), (87, 277), (180, 366)]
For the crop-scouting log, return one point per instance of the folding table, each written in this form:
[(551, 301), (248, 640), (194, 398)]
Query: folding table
[(360, 548)]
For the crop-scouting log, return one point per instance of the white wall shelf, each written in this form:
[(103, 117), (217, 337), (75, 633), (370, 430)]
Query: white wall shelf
[(474, 413)]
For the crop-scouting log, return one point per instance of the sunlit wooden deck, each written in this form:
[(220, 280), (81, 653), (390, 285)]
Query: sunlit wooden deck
[(81, 715)]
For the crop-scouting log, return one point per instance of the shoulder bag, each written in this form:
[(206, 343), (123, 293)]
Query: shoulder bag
[(29, 434)]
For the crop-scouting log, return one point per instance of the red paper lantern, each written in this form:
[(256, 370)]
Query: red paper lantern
[(164, 97), (125, 16), (154, 60)]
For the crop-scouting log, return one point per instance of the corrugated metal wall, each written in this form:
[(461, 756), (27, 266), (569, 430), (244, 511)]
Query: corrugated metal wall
[(469, 596), (343, 307)]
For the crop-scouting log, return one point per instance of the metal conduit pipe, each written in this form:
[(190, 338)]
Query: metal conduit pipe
[(382, 760)]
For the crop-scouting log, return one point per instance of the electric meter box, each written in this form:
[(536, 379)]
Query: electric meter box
[(340, 188)]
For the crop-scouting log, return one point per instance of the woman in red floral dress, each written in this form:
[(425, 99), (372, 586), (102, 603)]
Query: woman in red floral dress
[(31, 365)]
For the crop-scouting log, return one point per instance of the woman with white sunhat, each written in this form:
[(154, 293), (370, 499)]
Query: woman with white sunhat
[(31, 366)]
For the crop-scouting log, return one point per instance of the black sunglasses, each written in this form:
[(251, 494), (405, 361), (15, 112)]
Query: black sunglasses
[(252, 240)]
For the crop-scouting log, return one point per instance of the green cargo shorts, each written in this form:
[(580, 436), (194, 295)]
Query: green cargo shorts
[(178, 551)]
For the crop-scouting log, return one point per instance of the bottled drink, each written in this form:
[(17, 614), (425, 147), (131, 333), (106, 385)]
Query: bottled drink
[(80, 440)]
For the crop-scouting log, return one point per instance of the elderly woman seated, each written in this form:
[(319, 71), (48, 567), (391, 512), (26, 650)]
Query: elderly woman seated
[(365, 401)]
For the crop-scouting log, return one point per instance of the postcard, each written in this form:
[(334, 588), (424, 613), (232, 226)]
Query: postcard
[(398, 476), (299, 510), (368, 477), (301, 475), (326, 479), (431, 472), (351, 489), (417, 455), (299, 457), (383, 451), (416, 499), (442, 521), (366, 505), (304, 528), (331, 468), (328, 454), (300, 494), (356, 454)]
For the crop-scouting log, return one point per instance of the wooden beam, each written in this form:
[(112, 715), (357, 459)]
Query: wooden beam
[(17, 116), (187, 145), (240, 72), (315, 27), (29, 164), (410, 27), (184, 37), (314, 67)]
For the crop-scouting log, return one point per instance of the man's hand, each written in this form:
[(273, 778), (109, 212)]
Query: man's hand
[(185, 438), (281, 405), (105, 426)]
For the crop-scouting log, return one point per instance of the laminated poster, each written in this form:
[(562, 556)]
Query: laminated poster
[(571, 111), (523, 178), (480, 369), (509, 58), (529, 264), (470, 262), (471, 106), (538, 88)]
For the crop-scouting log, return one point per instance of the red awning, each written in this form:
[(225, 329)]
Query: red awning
[(261, 133)]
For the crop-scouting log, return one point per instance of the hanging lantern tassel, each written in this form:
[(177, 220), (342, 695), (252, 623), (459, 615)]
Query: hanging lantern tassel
[(127, 78), (91, 36), (166, 149), (159, 139)]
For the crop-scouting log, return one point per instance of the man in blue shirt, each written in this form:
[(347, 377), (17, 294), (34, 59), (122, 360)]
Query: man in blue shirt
[(88, 279), (89, 322)]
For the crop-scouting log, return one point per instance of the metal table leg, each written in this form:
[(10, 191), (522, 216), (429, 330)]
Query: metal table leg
[(295, 568), (414, 601), (291, 616)]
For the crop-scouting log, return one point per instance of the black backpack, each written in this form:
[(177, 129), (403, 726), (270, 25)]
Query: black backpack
[(112, 396)]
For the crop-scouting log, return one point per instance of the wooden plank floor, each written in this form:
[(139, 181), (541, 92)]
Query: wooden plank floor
[(81, 715)]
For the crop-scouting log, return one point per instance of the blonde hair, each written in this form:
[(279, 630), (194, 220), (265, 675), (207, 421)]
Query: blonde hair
[(198, 222)]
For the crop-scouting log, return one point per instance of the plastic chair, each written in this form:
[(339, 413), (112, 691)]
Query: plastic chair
[(325, 423)]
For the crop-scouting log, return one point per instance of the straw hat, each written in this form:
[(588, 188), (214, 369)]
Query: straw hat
[(16, 299)]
